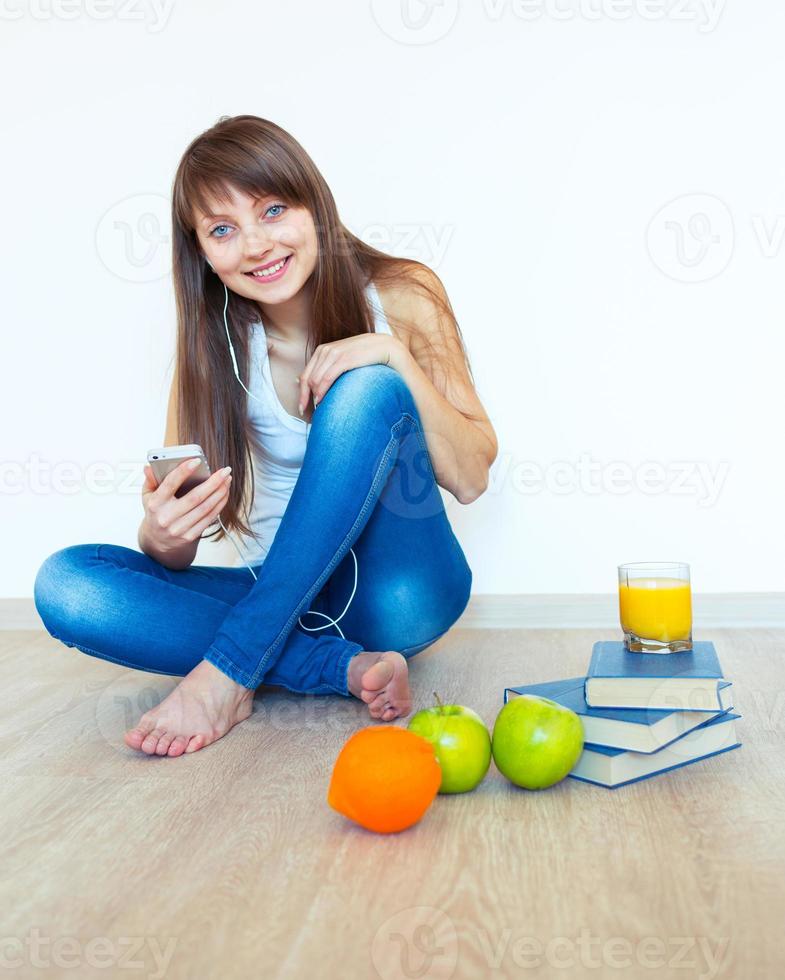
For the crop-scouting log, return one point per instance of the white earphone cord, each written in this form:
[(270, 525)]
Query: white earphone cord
[(311, 612)]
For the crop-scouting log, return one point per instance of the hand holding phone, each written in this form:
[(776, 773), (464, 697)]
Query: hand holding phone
[(179, 501)]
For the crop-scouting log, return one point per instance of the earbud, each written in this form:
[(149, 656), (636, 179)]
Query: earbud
[(209, 263)]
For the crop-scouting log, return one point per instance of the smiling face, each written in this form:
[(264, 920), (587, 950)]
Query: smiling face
[(248, 235)]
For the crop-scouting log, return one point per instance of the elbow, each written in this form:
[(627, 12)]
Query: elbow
[(469, 495)]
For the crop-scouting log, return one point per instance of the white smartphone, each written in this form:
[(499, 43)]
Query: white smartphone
[(163, 461)]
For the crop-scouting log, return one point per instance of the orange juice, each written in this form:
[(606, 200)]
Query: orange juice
[(656, 608)]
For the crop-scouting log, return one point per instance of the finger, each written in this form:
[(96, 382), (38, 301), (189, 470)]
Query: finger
[(210, 521), (179, 506), (318, 374), (175, 479), (305, 378), (150, 482), (198, 529), (321, 385), (305, 391), (180, 524), (175, 508), (185, 525)]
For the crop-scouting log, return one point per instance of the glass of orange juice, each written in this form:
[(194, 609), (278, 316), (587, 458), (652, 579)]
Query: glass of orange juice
[(655, 606)]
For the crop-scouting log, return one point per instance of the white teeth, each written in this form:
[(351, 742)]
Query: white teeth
[(271, 271)]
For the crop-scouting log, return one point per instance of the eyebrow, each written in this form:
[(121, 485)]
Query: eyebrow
[(211, 217)]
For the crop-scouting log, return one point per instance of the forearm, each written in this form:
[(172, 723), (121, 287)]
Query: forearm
[(174, 560), (460, 452)]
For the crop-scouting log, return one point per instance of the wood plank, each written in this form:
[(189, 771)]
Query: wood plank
[(232, 856)]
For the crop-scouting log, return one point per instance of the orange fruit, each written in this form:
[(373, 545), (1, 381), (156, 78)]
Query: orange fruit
[(384, 778)]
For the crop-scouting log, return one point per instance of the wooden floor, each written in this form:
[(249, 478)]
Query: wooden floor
[(229, 862)]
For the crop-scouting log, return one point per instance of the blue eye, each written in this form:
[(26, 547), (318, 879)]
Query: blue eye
[(219, 237)]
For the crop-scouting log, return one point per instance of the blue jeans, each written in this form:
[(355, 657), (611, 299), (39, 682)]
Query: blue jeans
[(367, 483)]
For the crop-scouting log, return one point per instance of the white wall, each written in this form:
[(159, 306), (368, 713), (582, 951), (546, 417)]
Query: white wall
[(526, 153)]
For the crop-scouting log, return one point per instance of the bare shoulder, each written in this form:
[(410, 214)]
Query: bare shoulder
[(390, 296), (427, 326), (410, 308)]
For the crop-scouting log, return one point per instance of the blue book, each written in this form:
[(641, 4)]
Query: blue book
[(615, 767), (638, 729), (687, 681)]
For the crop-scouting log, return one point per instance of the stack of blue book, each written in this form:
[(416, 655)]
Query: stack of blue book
[(645, 713)]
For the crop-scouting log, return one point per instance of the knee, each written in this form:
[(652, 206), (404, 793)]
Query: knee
[(56, 590), (366, 388), (414, 609)]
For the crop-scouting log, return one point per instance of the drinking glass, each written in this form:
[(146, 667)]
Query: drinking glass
[(655, 606)]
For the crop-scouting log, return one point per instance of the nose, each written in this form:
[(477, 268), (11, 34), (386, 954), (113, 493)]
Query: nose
[(257, 241)]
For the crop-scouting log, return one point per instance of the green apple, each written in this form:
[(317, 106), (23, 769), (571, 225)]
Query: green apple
[(536, 741), (461, 741)]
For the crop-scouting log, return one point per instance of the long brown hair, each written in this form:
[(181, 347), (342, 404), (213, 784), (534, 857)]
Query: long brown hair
[(258, 157)]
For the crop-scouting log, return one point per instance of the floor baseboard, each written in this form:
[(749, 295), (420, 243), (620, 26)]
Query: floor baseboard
[(731, 610)]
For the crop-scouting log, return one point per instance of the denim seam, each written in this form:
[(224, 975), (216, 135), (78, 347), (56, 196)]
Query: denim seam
[(424, 446), (335, 559), (227, 666)]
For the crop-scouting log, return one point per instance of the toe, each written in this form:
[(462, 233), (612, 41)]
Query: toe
[(164, 742), (195, 743), (150, 742), (178, 745), (135, 736), (377, 677), (377, 707), (379, 702)]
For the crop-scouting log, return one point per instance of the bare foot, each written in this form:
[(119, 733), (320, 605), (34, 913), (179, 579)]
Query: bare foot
[(382, 681), (203, 707)]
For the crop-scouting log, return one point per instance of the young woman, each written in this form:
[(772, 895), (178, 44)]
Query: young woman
[(357, 400)]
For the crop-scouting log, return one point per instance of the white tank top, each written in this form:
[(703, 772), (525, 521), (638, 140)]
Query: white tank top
[(282, 437)]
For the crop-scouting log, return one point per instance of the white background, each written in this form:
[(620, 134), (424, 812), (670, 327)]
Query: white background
[(526, 153)]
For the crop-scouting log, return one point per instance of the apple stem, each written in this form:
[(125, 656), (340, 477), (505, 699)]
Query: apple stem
[(438, 700)]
